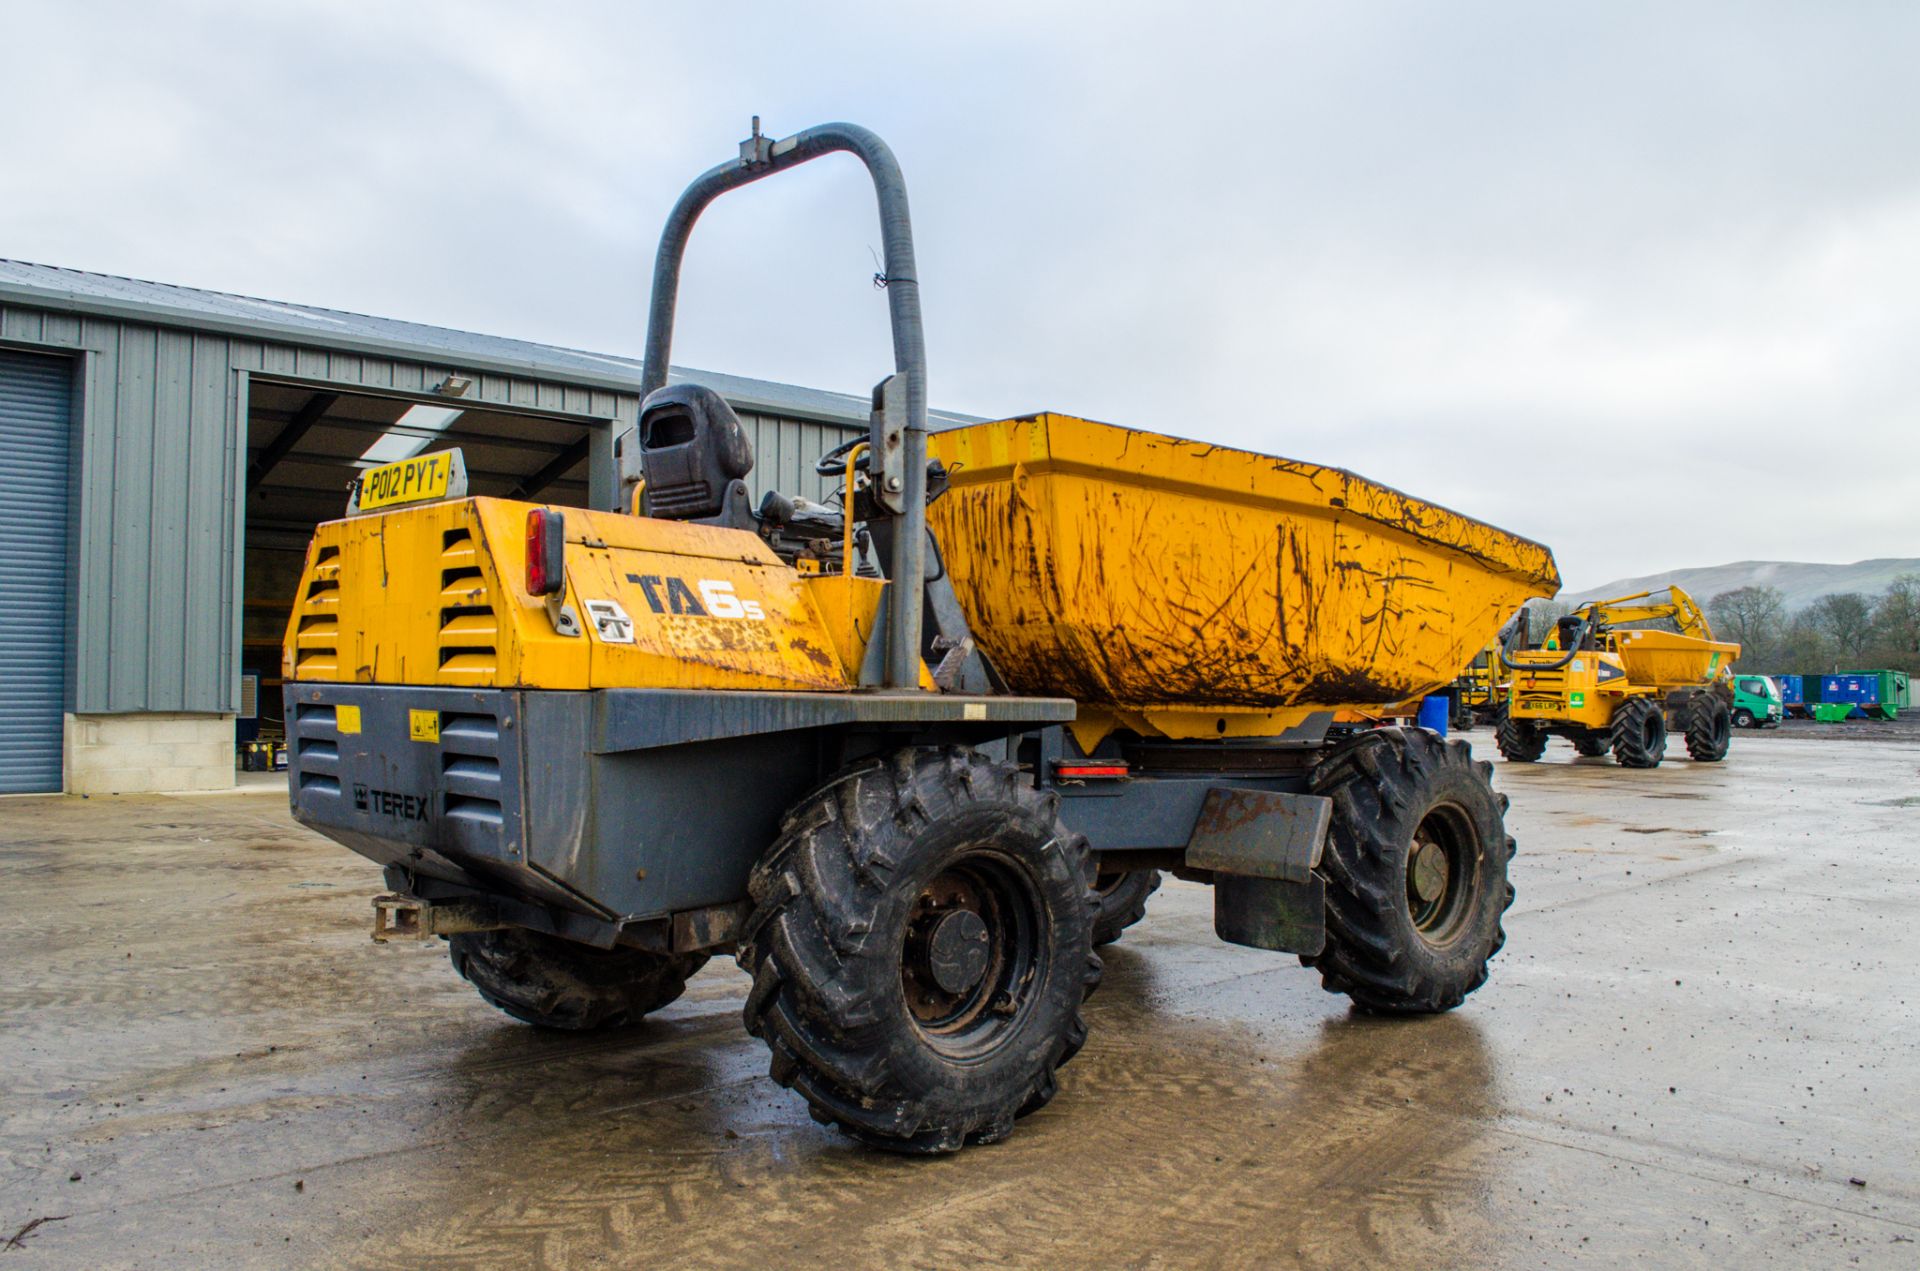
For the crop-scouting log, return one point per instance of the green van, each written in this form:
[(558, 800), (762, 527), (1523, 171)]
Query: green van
[(1756, 702)]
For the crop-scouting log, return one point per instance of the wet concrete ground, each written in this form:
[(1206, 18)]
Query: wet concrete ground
[(1703, 1031)]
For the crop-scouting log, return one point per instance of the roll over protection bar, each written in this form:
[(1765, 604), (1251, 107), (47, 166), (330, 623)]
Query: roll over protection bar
[(761, 157)]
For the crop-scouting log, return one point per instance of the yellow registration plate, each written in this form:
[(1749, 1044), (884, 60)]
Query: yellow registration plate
[(408, 481)]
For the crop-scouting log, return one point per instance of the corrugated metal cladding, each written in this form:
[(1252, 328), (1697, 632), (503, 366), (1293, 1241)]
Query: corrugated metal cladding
[(163, 445), (156, 587), (784, 451), (35, 436)]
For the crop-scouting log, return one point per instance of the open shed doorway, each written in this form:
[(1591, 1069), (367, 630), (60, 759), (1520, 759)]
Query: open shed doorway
[(307, 444)]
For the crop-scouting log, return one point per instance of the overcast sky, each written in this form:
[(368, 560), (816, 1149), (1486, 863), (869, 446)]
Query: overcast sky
[(1639, 281)]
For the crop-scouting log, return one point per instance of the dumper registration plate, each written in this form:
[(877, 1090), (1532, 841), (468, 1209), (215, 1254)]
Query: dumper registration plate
[(440, 475)]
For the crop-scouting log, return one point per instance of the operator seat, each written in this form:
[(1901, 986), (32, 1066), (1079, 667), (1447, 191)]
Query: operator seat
[(694, 453)]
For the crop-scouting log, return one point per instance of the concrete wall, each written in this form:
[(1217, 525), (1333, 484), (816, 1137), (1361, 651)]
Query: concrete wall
[(164, 752)]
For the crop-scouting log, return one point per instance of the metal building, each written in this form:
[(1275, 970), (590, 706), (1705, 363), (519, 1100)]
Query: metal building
[(165, 453)]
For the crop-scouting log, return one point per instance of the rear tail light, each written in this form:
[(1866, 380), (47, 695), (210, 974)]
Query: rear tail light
[(1095, 770), (546, 552)]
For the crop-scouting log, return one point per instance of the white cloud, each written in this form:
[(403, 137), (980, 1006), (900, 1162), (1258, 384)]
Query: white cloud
[(1622, 278)]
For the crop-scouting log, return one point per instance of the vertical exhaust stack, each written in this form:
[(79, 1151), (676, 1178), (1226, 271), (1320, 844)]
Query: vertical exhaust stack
[(761, 157)]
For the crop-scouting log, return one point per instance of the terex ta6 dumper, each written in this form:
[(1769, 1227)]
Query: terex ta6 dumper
[(1606, 685), (592, 747)]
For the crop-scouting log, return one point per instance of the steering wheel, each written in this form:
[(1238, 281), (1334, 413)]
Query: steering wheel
[(833, 463)]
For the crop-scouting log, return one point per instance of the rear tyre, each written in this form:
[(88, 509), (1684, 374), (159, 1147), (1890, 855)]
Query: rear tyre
[(1709, 728), (1415, 869), (1121, 901), (920, 946), (1639, 733), (1460, 715), (1592, 745), (1520, 740), (553, 983)]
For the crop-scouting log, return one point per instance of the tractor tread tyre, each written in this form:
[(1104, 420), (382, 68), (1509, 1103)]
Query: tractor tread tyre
[(554, 983), (1123, 904), (1709, 728), (1383, 788), (1639, 733), (1592, 745), (1519, 740), (826, 945)]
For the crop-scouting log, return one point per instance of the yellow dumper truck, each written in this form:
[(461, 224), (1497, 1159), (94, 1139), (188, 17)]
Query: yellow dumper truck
[(911, 758), (1607, 685)]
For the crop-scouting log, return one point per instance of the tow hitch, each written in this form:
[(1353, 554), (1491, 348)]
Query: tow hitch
[(397, 917)]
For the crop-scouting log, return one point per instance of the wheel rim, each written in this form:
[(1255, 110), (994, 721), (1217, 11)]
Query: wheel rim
[(1107, 884), (1443, 864), (975, 940)]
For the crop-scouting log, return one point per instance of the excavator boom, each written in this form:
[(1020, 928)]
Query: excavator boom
[(1679, 608)]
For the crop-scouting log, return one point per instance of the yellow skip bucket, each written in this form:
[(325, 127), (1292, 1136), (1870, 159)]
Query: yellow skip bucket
[(1189, 590)]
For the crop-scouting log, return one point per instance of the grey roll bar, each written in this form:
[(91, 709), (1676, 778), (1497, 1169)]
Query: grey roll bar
[(762, 157)]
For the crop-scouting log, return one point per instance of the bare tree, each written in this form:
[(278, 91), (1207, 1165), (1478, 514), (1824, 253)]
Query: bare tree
[(1801, 647), (1896, 624), (1752, 616), (1846, 620), (1541, 615)]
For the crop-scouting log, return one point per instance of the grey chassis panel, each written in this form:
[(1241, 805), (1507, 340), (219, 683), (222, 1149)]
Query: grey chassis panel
[(639, 718), (619, 804), (1154, 813)]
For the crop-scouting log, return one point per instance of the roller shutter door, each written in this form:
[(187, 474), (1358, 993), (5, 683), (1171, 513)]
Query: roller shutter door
[(36, 399)]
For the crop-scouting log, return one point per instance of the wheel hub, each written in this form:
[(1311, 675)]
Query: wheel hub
[(1442, 872), (957, 952), (1429, 871)]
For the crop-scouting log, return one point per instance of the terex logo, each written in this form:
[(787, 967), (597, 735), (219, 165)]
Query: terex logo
[(404, 807), (667, 594)]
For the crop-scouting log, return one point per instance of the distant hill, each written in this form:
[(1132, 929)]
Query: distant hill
[(1800, 582)]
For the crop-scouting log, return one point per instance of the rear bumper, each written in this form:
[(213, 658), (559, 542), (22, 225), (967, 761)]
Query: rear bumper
[(615, 804)]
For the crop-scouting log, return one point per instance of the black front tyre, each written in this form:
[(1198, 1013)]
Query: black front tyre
[(1709, 728), (1120, 901), (553, 983), (920, 946), (1743, 718), (1519, 740), (1415, 868), (1639, 733)]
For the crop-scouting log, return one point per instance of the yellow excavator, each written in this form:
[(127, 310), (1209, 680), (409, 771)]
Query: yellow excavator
[(1479, 694), (1606, 681)]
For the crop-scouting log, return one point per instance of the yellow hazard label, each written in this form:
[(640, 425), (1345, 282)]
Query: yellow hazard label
[(424, 725), (346, 719)]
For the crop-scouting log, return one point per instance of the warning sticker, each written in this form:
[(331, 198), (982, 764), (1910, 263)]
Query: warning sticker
[(610, 622), (346, 719), (423, 725)]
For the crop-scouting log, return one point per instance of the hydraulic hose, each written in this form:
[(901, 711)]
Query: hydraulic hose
[(1579, 638)]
